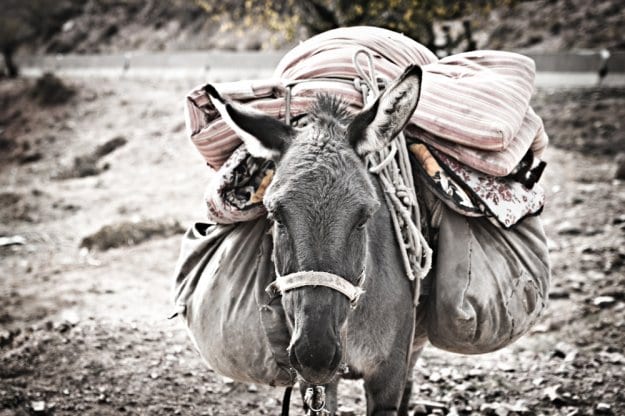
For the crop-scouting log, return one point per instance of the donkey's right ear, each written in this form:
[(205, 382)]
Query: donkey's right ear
[(380, 122), (264, 136)]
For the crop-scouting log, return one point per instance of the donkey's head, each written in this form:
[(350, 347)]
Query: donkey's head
[(320, 200)]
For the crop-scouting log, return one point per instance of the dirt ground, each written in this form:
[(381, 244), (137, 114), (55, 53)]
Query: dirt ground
[(84, 331)]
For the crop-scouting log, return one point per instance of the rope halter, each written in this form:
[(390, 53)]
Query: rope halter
[(297, 280)]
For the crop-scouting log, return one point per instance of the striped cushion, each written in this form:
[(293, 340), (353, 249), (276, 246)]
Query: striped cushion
[(474, 106)]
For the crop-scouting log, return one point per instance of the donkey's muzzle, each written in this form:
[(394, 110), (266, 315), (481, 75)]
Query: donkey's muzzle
[(315, 362)]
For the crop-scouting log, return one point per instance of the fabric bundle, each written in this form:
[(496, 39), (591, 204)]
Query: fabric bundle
[(474, 106)]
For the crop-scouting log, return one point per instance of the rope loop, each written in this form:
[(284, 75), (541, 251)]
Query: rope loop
[(392, 165), (370, 79), (315, 399)]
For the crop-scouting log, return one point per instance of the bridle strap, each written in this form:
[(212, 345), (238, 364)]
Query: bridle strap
[(297, 280)]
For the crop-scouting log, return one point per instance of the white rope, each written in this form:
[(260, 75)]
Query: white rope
[(297, 280), (392, 165)]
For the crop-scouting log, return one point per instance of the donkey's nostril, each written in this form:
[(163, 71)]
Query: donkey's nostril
[(336, 361), (293, 360)]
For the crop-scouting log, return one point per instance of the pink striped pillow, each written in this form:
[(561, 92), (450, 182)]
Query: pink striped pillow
[(474, 106)]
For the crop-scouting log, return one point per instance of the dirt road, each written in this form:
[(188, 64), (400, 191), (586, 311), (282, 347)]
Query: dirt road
[(84, 331)]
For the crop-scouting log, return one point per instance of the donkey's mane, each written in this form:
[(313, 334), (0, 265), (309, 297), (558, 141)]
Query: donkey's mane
[(330, 108), (321, 161)]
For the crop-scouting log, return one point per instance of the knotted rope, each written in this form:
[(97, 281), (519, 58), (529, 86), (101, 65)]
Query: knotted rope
[(392, 166)]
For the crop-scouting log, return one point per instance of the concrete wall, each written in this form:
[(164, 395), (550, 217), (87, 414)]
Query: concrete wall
[(545, 62), (170, 60), (588, 61)]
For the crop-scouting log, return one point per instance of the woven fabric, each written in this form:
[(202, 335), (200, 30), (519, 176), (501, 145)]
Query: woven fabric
[(474, 106), (505, 200)]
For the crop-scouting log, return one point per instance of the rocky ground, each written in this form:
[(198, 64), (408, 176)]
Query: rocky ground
[(95, 191)]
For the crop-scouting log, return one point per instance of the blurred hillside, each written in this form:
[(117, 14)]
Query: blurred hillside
[(96, 26), (558, 25), (100, 26)]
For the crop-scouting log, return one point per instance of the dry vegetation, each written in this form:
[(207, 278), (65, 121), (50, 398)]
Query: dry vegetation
[(94, 26)]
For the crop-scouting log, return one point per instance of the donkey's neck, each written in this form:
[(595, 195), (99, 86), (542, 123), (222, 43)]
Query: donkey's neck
[(383, 312), (385, 271)]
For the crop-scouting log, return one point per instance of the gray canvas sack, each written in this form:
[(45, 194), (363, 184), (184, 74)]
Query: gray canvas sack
[(219, 292), (489, 284)]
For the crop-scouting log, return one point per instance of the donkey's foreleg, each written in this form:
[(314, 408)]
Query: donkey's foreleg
[(385, 388), (388, 389), (405, 399)]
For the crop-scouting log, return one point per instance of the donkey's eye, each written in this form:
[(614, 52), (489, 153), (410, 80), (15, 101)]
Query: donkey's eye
[(362, 222), (300, 122), (275, 217), (363, 217)]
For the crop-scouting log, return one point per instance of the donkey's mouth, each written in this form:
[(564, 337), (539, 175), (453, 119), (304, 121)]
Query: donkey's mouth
[(317, 364)]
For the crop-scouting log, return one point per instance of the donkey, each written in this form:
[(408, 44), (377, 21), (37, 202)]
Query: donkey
[(328, 219)]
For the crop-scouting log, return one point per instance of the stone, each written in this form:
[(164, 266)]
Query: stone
[(558, 293), (38, 406), (420, 409), (612, 357), (506, 367), (619, 160), (431, 405), (604, 301), (603, 409), (475, 372), (346, 411), (435, 377), (568, 228), (552, 393)]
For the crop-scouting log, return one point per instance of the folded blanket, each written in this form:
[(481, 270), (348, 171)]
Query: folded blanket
[(474, 109), (474, 106)]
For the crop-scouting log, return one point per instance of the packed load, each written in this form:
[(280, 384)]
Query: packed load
[(475, 148), (474, 109)]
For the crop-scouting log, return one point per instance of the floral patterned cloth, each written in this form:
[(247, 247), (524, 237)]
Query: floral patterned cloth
[(236, 191), (504, 200), (440, 183)]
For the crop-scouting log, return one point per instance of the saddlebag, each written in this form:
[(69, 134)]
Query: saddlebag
[(489, 284), (219, 292)]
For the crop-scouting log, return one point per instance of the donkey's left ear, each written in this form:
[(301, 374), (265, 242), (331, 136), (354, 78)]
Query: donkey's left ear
[(378, 124), (264, 136)]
